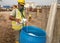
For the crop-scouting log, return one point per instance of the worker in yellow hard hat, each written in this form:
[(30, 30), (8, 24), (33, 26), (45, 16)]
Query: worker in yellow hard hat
[(18, 16)]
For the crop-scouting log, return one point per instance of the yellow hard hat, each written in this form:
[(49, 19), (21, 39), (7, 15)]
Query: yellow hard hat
[(22, 2)]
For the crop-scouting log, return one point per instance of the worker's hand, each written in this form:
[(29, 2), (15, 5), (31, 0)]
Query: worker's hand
[(23, 20), (17, 20)]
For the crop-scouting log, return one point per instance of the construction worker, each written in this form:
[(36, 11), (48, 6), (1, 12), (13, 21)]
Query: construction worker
[(18, 18)]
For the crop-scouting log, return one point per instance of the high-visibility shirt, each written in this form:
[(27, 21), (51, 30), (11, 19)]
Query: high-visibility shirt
[(18, 15)]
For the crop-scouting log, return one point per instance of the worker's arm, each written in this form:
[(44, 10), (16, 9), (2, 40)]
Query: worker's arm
[(14, 19), (12, 16)]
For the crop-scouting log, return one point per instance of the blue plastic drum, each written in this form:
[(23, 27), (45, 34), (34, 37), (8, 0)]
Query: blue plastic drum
[(32, 34)]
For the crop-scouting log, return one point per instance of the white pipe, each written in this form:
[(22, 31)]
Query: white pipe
[(51, 20)]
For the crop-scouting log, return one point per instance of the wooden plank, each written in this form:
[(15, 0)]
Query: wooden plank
[(51, 20)]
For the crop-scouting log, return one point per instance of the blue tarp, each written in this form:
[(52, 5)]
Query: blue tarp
[(6, 6)]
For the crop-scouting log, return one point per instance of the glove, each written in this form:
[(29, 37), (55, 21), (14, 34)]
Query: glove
[(23, 20)]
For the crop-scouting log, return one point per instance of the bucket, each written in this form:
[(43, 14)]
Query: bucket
[(32, 34)]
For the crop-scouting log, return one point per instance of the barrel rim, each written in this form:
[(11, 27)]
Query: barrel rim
[(34, 36)]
